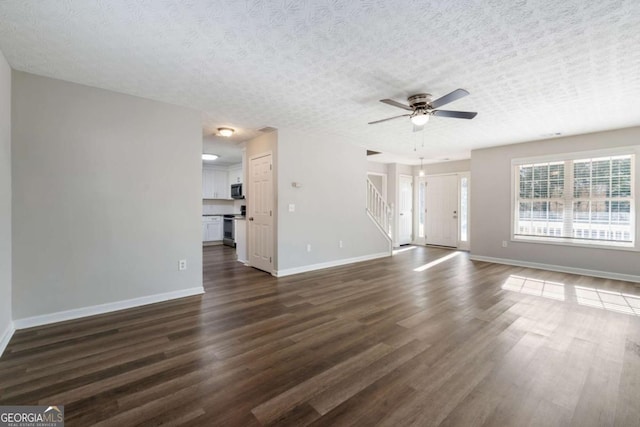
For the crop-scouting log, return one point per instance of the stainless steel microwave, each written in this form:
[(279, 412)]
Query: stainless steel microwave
[(236, 191)]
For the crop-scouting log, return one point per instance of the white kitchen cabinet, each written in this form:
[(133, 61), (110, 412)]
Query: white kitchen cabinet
[(235, 175), (212, 228), (221, 187), (215, 184), (207, 183)]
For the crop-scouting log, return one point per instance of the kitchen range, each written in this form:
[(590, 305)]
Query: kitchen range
[(228, 227)]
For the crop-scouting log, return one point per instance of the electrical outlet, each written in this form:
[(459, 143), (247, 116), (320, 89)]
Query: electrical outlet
[(308, 247), (340, 243), (182, 264), (292, 207), (504, 244)]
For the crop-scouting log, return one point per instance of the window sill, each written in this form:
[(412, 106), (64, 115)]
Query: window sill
[(576, 243)]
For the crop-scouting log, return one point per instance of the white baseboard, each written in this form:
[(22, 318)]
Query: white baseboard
[(336, 263), (61, 316), (559, 268), (6, 337)]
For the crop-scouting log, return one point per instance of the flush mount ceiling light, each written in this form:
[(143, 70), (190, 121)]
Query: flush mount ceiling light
[(209, 157), (226, 132)]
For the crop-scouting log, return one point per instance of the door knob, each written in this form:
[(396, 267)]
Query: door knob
[(250, 218)]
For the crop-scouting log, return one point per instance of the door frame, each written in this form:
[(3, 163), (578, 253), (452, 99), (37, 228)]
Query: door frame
[(462, 245), (274, 209), (397, 209)]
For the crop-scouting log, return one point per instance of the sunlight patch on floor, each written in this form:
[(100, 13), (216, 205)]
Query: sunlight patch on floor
[(608, 300), (536, 287), (436, 262), (398, 251)]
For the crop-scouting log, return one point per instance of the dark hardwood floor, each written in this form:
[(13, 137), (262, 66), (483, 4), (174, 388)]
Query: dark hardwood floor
[(460, 343)]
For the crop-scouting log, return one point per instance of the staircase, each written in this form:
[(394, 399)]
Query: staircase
[(379, 210)]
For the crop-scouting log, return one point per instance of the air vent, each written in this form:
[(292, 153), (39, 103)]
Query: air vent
[(372, 153), (267, 129)]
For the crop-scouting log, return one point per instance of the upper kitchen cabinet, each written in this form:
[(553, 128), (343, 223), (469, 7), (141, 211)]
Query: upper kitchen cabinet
[(215, 184), (235, 174)]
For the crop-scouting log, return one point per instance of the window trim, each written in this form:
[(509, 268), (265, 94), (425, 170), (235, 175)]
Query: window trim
[(568, 241)]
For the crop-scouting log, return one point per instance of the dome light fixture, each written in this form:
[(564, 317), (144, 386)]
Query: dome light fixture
[(420, 118), (226, 132), (209, 156)]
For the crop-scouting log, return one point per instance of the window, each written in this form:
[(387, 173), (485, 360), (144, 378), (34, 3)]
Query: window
[(575, 200)]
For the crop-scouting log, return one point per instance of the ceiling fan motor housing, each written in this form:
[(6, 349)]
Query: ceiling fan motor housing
[(420, 101)]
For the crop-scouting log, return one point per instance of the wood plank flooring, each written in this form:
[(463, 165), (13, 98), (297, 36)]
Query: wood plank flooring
[(460, 343)]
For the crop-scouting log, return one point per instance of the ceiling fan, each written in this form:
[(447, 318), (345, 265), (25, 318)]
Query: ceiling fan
[(422, 106)]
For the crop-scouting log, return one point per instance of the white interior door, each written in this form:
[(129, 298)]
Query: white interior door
[(405, 215), (260, 213), (442, 210)]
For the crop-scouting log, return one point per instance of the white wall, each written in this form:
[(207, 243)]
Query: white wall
[(330, 205), (491, 205), (106, 196), (5, 201)]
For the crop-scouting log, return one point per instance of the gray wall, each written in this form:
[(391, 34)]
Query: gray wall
[(377, 167), (491, 205), (330, 205), (444, 167), (107, 196), (5, 195), (377, 181)]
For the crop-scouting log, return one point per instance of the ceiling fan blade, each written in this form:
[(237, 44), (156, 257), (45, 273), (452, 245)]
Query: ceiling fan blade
[(455, 114), (450, 97), (396, 104), (390, 118)]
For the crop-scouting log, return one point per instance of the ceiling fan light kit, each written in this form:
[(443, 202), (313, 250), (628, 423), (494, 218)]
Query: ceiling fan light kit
[(420, 119), (422, 106)]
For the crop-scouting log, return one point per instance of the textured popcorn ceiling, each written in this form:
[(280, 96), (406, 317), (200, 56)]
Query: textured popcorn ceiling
[(533, 67)]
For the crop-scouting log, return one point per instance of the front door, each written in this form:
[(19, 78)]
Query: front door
[(260, 213), (442, 210)]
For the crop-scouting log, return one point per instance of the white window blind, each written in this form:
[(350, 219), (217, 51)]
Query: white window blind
[(588, 200)]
